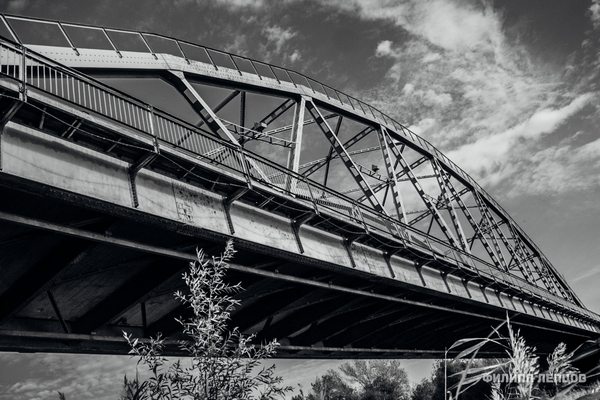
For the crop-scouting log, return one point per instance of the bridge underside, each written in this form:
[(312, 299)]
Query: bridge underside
[(102, 271)]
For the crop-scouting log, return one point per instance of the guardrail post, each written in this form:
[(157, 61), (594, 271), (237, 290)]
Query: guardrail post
[(23, 75)]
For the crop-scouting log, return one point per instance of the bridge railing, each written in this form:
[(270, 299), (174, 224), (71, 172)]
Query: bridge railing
[(46, 75)]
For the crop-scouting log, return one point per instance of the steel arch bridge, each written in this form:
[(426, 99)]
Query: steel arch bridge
[(122, 151)]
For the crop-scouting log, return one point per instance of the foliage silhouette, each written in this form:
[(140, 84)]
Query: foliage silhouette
[(224, 363)]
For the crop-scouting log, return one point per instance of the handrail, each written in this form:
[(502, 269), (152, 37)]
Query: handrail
[(51, 77)]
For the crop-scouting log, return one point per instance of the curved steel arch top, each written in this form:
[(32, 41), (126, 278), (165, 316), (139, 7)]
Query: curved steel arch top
[(456, 213)]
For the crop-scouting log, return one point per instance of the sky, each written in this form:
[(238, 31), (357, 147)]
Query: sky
[(508, 89)]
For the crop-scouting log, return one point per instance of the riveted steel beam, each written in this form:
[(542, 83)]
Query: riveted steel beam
[(443, 182), (393, 182), (293, 162), (352, 167), (417, 185)]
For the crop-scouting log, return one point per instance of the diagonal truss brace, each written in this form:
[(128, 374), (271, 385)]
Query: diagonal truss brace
[(444, 183), (528, 258), (493, 228), (345, 157), (315, 167), (211, 119), (399, 175), (202, 108), (393, 183), (417, 185), (476, 227)]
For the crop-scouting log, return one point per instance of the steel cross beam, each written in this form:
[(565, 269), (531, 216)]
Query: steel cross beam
[(443, 182), (346, 159), (426, 213), (362, 134), (541, 272), (396, 195), (417, 185), (399, 175), (485, 213), (474, 224)]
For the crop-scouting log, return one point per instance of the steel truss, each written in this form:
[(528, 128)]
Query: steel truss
[(317, 162)]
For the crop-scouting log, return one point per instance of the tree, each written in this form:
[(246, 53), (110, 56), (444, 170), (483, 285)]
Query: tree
[(331, 386), (379, 379), (223, 363), (424, 390)]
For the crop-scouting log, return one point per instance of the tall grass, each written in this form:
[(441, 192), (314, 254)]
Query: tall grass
[(520, 371)]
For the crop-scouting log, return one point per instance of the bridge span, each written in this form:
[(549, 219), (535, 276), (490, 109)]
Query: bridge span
[(122, 152)]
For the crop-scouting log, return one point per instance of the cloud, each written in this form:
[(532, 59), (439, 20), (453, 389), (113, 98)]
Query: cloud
[(595, 13), (295, 56), (491, 158), (16, 6), (384, 49), (81, 376), (277, 36), (451, 25)]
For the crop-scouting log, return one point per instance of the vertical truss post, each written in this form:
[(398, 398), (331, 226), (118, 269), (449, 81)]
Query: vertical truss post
[(293, 162), (393, 183), (444, 182), (352, 167), (417, 185), (23, 75), (242, 112)]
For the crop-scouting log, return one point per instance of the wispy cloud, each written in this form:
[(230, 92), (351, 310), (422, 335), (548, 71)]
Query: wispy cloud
[(96, 377), (478, 95)]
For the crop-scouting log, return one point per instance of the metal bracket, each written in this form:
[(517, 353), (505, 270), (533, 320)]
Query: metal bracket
[(133, 171), (72, 128), (348, 245), (419, 267), (388, 259), (228, 201), (296, 224), (444, 275), (465, 283)]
